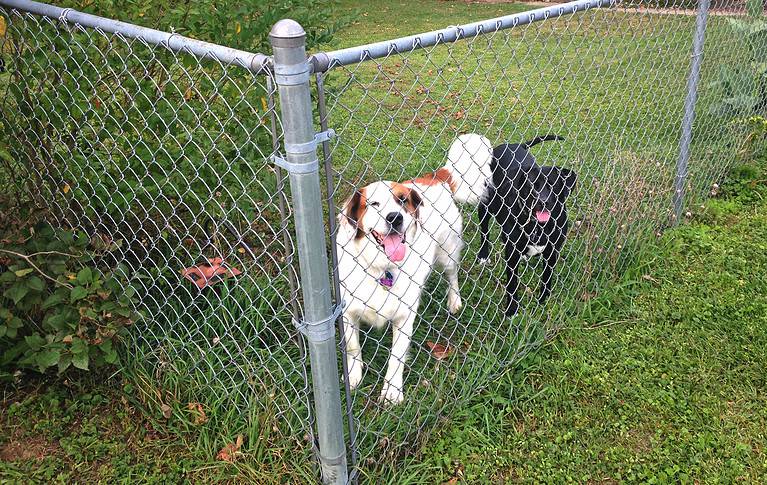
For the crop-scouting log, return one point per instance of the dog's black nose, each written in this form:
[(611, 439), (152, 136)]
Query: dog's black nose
[(394, 218)]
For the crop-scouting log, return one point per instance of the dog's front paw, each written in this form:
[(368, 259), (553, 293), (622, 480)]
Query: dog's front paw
[(512, 308), (483, 256), (355, 372), (454, 303), (391, 394)]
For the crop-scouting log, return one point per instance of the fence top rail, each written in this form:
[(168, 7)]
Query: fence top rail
[(255, 62), (324, 61)]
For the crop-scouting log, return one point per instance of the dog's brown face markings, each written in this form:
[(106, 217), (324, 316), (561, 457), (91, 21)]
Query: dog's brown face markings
[(355, 211), (408, 197), (357, 205)]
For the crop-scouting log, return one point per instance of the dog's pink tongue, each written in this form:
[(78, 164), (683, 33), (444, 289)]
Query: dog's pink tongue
[(394, 248), (542, 216)]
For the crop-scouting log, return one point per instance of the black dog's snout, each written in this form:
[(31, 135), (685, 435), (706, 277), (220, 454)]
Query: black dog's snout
[(395, 219)]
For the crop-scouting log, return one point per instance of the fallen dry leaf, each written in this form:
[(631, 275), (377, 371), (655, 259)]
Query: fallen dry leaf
[(458, 115), (229, 452), (439, 351), (199, 414), (166, 411)]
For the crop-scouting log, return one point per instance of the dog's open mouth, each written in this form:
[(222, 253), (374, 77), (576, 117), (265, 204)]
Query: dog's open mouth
[(542, 216), (393, 245)]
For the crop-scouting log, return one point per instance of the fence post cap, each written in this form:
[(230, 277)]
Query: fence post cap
[(287, 29)]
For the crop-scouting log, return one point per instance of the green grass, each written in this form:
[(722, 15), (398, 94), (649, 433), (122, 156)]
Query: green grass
[(614, 85), (663, 382), (95, 430)]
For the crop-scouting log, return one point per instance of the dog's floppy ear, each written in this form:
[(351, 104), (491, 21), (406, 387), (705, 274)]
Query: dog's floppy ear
[(414, 202), (354, 210), (563, 180)]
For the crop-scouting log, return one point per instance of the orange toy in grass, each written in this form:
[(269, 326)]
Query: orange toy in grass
[(204, 275)]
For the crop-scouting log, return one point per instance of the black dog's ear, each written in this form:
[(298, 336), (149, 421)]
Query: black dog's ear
[(563, 181)]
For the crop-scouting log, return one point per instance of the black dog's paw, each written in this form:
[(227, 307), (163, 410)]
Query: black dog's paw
[(483, 256), (512, 308)]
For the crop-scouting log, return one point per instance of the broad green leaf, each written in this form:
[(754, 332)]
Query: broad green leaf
[(47, 358), (14, 352), (64, 362), (111, 357), (78, 346), (85, 276), (106, 346), (80, 360), (35, 283), (16, 292), (34, 341), (23, 272), (52, 300), (78, 293)]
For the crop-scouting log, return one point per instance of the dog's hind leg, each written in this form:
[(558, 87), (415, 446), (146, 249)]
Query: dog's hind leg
[(353, 351), (449, 258), (512, 253), (454, 302), (402, 333), (550, 258), (484, 228)]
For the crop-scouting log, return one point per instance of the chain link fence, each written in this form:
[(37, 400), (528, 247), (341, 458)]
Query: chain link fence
[(164, 148), (159, 148)]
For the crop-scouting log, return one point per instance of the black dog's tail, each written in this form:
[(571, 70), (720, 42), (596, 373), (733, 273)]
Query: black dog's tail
[(540, 139)]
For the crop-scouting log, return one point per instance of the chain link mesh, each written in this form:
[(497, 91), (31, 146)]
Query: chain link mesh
[(164, 159), (612, 82)]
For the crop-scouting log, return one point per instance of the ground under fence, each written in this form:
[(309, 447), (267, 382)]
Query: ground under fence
[(220, 180)]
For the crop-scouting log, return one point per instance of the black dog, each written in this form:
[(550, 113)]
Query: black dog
[(528, 201)]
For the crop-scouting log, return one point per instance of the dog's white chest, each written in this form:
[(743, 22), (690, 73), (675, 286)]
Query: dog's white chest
[(533, 250)]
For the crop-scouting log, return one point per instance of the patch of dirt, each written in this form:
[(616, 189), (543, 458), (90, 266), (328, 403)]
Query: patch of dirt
[(23, 449)]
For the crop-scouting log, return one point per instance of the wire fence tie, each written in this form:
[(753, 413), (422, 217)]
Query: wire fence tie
[(303, 148), (320, 330)]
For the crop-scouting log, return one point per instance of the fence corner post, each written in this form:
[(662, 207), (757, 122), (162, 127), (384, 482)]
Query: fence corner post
[(292, 73), (689, 109)]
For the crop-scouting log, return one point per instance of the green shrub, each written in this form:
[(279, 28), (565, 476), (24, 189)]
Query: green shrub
[(743, 86), (57, 308), (118, 135), (237, 24)]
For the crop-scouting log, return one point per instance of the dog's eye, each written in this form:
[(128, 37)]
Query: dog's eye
[(402, 200), (375, 204)]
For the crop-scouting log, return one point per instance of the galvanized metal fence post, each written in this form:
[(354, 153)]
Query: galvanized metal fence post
[(292, 72), (689, 110)]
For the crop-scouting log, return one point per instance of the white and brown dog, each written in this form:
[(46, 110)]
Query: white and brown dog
[(390, 237)]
